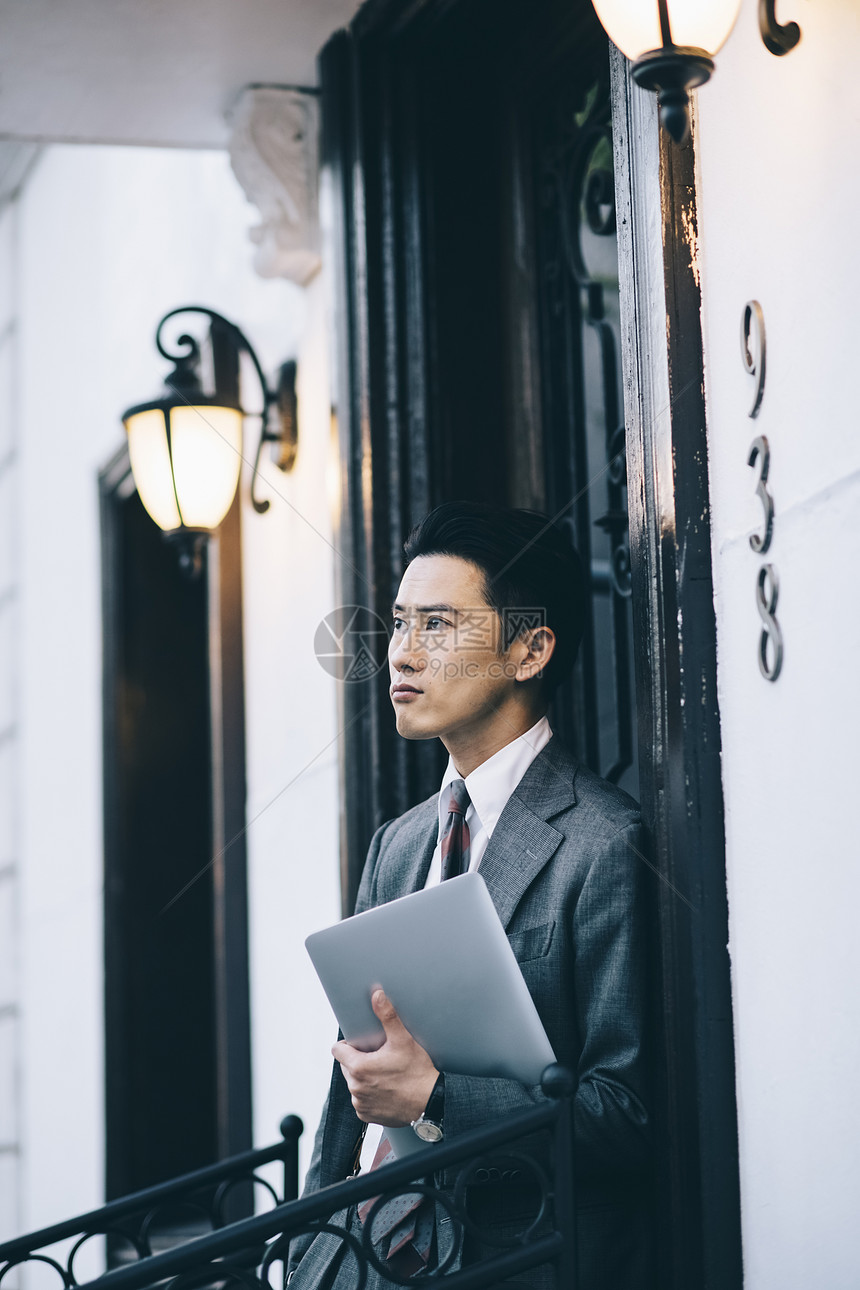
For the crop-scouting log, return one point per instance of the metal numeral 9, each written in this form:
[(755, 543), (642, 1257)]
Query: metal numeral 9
[(754, 349)]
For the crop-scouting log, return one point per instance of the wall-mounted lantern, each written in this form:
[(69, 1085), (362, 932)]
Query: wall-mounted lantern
[(671, 44), (186, 447)]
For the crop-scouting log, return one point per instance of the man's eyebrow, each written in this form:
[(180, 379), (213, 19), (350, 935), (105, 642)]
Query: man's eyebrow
[(426, 609)]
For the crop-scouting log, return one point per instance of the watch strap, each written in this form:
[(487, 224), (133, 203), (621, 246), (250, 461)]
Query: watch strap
[(435, 1108)]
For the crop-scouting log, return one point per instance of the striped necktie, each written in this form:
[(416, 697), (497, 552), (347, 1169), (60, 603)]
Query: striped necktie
[(404, 1225), (455, 839)]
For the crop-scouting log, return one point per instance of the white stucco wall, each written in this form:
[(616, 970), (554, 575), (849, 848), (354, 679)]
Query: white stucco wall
[(110, 239), (779, 188), (293, 836)]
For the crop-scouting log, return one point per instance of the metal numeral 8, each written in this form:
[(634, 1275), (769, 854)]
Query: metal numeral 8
[(769, 660)]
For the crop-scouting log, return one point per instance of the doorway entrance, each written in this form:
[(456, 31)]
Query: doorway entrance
[(177, 1042), (469, 147)]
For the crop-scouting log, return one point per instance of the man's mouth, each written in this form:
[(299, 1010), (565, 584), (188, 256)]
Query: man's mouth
[(404, 692)]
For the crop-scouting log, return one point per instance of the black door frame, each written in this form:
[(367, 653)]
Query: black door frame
[(676, 682), (371, 148)]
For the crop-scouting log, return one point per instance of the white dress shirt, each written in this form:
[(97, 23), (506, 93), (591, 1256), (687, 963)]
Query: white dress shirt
[(489, 786)]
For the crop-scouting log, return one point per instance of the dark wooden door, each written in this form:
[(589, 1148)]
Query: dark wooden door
[(177, 1029), (479, 276), (160, 1033)]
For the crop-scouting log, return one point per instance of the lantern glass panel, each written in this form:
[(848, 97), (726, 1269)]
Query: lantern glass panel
[(150, 464), (634, 25), (207, 457)]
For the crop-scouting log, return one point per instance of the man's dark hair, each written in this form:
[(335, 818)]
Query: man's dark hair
[(532, 574)]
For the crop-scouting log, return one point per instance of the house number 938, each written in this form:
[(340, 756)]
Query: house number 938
[(754, 356)]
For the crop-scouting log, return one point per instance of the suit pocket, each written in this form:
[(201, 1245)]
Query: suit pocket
[(532, 942)]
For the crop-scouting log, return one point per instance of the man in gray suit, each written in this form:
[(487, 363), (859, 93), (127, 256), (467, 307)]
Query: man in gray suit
[(487, 621)]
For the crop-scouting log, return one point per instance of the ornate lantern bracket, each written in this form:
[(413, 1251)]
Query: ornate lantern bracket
[(779, 38)]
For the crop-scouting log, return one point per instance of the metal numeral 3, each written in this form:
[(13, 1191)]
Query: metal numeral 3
[(761, 449), (767, 594)]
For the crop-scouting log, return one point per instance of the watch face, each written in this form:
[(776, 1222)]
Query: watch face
[(428, 1131)]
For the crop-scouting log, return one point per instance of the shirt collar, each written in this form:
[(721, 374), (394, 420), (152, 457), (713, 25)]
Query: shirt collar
[(490, 785)]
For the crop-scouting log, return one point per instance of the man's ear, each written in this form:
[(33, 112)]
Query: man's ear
[(536, 649)]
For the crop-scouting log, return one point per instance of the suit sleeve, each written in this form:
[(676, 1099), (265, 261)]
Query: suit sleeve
[(299, 1245), (606, 1009), (366, 888), (609, 936)]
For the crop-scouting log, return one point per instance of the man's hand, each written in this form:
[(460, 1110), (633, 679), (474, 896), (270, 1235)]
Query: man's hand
[(392, 1085)]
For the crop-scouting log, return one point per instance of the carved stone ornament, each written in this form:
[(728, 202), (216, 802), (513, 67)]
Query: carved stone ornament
[(273, 152)]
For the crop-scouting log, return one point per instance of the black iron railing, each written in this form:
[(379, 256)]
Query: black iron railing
[(536, 1144), (137, 1225)]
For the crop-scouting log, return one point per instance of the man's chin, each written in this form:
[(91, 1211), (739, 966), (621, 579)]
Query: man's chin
[(408, 727)]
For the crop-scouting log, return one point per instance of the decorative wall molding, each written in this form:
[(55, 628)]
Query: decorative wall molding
[(273, 152)]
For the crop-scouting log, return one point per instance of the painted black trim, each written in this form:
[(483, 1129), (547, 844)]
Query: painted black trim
[(115, 483), (229, 791), (698, 1009), (697, 1210), (230, 867)]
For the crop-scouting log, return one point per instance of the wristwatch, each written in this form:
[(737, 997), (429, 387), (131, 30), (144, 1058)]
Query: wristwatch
[(428, 1126)]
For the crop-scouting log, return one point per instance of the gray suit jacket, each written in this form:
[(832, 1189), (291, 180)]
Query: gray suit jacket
[(565, 870)]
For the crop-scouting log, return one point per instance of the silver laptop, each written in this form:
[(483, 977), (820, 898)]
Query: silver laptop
[(442, 957)]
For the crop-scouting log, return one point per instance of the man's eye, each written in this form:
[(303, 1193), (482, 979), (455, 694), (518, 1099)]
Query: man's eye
[(433, 624), (397, 624)]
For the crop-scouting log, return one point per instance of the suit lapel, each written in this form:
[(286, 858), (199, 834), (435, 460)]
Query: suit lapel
[(523, 840), (405, 863)]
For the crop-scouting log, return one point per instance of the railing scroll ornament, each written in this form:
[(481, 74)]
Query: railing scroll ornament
[(536, 1143)]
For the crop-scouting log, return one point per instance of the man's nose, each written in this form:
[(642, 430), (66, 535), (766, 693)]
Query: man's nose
[(405, 654)]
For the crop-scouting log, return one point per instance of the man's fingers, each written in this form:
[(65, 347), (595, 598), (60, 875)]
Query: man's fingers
[(387, 1014)]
